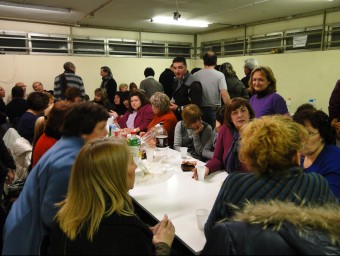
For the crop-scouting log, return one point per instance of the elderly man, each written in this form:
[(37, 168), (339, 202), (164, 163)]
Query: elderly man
[(21, 85), (38, 87)]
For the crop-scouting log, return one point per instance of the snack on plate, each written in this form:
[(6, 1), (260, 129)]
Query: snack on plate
[(188, 165)]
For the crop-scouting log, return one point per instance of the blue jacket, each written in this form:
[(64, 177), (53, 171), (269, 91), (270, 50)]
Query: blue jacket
[(32, 213)]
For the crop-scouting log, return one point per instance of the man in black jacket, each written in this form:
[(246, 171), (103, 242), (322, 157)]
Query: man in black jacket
[(108, 83), (186, 89)]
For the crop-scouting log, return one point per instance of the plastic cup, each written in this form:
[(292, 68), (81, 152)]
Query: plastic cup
[(202, 217), (184, 152), (201, 172), (149, 153)]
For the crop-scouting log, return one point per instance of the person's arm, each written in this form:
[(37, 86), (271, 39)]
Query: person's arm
[(147, 115), (208, 150), (57, 88), (82, 88), (123, 119), (280, 106), (225, 96), (216, 162), (178, 136), (200, 141), (163, 236)]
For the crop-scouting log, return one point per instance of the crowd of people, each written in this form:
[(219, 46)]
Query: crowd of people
[(75, 197)]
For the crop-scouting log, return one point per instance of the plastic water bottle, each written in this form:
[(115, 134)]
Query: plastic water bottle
[(162, 140), (115, 128), (134, 144)]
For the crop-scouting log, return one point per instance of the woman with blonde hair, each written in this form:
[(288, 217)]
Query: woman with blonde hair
[(270, 149), (97, 216)]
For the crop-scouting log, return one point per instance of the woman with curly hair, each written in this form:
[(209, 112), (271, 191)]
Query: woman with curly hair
[(270, 149)]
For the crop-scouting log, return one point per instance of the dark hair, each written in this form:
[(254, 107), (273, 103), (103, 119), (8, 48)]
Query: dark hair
[(194, 70), (149, 72), (268, 73), (209, 58), (319, 120), (220, 114), (56, 117), (17, 92), (37, 101), (125, 95), (143, 99), (179, 59), (107, 70), (82, 118), (68, 66), (71, 93), (133, 86), (236, 103), (305, 106), (228, 70)]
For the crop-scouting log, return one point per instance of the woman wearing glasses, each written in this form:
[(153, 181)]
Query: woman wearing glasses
[(319, 154)]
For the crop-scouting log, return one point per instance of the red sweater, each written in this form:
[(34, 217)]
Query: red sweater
[(43, 144), (169, 122)]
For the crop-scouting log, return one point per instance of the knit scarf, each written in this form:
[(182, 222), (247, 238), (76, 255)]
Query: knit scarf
[(231, 162)]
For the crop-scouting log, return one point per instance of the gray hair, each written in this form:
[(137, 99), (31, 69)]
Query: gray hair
[(161, 101), (251, 63)]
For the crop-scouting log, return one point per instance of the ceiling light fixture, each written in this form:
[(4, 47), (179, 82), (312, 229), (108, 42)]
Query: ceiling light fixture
[(179, 22), (35, 7)]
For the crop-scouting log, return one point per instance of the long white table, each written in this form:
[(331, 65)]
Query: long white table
[(179, 196)]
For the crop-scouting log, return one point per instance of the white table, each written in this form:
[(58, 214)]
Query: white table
[(179, 197)]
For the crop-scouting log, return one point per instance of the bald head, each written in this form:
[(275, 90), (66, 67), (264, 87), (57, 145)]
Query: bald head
[(21, 85)]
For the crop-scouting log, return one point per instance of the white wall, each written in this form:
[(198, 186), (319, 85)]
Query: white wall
[(301, 75)]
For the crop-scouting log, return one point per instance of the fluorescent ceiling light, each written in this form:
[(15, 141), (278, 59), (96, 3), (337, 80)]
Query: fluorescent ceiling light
[(35, 7), (179, 22)]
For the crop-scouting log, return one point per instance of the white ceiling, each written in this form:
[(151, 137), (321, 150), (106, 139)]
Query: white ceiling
[(136, 14)]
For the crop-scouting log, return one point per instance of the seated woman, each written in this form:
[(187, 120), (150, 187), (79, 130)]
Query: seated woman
[(47, 183), (238, 113), (265, 100), (160, 103), (51, 133), (277, 228), (118, 106), (192, 132), (208, 150), (97, 216), (319, 153), (270, 149), (100, 97), (139, 115), (37, 102)]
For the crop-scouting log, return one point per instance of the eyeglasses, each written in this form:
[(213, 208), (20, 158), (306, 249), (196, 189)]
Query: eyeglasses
[(311, 134)]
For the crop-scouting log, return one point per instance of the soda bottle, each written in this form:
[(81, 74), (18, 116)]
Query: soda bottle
[(161, 140)]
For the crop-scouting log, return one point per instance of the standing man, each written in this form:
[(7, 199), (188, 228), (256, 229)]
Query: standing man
[(249, 65), (108, 83), (167, 79), (186, 89), (68, 79), (149, 85), (214, 87)]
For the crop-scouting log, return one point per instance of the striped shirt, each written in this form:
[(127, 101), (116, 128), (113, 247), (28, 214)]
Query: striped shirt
[(72, 81), (297, 187)]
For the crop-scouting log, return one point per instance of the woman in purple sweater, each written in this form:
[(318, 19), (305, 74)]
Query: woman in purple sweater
[(225, 157), (265, 100)]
